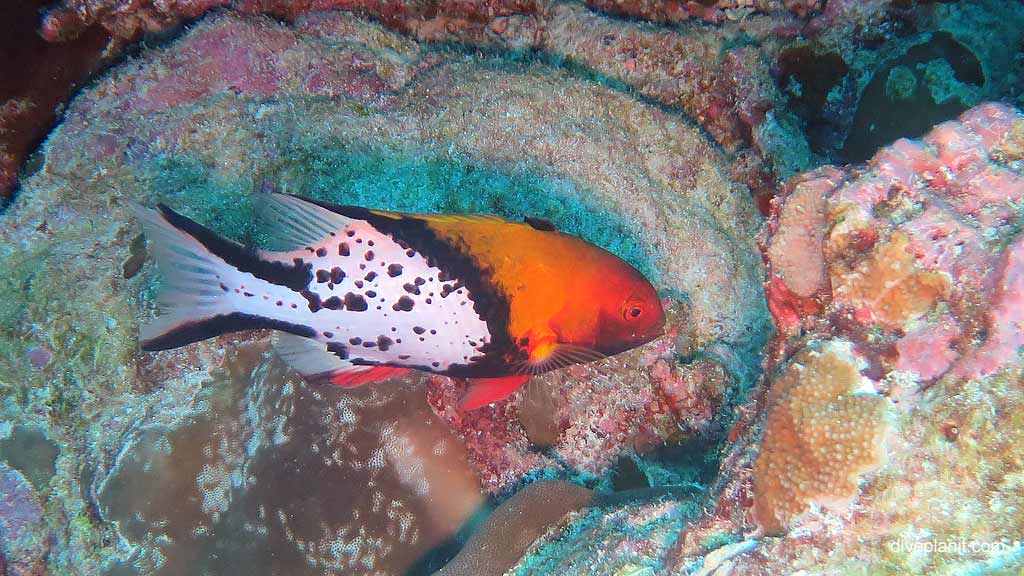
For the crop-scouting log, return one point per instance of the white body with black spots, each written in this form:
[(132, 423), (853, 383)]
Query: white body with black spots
[(369, 301)]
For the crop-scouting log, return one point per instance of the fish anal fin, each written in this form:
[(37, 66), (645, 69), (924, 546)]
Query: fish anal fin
[(359, 375), (484, 391), (317, 363)]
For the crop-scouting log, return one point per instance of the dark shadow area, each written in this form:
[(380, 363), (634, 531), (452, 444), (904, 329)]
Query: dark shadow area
[(900, 101)]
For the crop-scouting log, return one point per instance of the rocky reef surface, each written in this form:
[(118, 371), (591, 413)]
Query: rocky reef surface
[(838, 388)]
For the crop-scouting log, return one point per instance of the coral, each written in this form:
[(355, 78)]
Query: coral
[(888, 286), (33, 454), (821, 433), (24, 538), (265, 466), (514, 526), (914, 251), (675, 11)]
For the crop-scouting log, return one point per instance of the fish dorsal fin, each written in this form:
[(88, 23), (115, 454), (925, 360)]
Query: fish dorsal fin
[(319, 365), (461, 218), (290, 223)]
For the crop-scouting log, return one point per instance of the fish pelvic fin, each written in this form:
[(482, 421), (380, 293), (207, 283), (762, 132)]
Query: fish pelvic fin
[(202, 287), (484, 391)]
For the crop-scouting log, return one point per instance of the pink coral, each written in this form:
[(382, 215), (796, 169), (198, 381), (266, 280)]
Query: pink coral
[(913, 247)]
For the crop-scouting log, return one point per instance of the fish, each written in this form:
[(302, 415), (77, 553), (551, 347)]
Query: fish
[(360, 295)]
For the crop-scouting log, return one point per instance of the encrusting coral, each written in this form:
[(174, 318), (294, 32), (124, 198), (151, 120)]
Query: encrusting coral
[(822, 431)]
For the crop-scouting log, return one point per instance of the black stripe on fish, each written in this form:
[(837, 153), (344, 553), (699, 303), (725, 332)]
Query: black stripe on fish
[(222, 324), (457, 263), (296, 276)]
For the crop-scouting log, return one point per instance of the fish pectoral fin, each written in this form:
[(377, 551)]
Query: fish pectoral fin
[(317, 364), (554, 355), (484, 391), (290, 222)]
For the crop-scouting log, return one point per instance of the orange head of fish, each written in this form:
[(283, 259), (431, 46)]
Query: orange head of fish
[(629, 309)]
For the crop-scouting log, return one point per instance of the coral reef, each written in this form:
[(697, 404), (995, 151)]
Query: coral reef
[(338, 108), (25, 543), (821, 432), (893, 369), (916, 245), (904, 274), (37, 78)]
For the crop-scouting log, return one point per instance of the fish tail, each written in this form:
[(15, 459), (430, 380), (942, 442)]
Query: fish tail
[(199, 295)]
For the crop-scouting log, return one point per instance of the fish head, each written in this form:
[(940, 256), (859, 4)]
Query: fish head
[(630, 311)]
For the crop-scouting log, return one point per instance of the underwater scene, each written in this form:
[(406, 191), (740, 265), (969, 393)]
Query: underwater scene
[(511, 287)]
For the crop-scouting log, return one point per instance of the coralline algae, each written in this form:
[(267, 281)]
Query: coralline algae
[(901, 277)]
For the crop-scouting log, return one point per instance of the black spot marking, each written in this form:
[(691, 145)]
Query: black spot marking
[(247, 294), (321, 252), (370, 276), (338, 349), (383, 343), (355, 302), (404, 304), (223, 287), (368, 255), (355, 341), (362, 266), (350, 233), (322, 276), (369, 242), (429, 301), (369, 344), (435, 364), (443, 276), (343, 249), (411, 288), (359, 240), (433, 331), (394, 329), (420, 281), (333, 303), (371, 294), (404, 356), (328, 334), (394, 270), (337, 275), (359, 283), (279, 302), (313, 298), (540, 224), (489, 302), (419, 329)]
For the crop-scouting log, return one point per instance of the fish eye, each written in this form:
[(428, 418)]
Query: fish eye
[(632, 312)]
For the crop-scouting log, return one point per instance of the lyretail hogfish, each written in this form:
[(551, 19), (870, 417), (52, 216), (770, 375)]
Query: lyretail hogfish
[(361, 295)]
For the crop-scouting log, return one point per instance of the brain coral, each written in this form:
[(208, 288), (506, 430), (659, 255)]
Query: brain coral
[(821, 433)]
